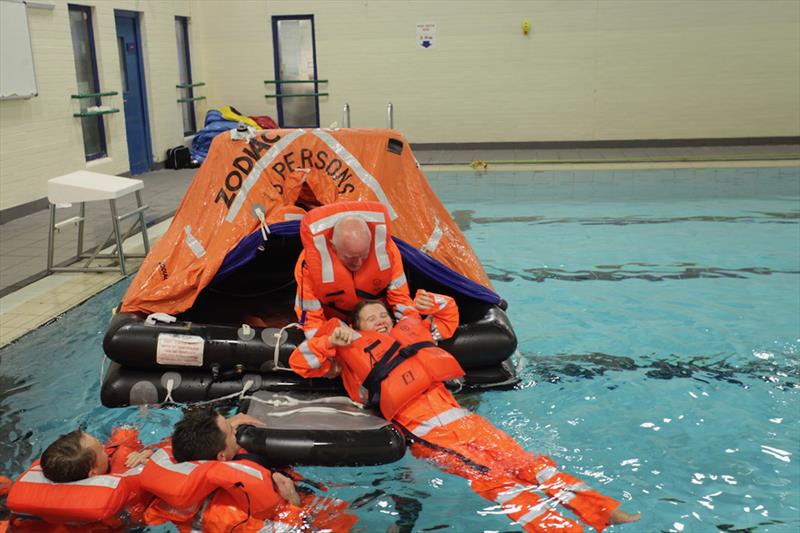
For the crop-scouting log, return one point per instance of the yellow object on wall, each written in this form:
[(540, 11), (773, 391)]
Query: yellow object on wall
[(526, 27)]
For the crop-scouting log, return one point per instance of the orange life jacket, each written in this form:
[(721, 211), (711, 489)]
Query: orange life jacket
[(111, 500), (181, 488), (337, 288), (391, 370), (186, 494)]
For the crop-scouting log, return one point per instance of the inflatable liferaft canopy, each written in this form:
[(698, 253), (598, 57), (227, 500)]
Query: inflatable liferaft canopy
[(210, 311), (250, 181)]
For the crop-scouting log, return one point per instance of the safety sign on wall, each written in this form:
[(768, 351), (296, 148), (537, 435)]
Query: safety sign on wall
[(426, 35)]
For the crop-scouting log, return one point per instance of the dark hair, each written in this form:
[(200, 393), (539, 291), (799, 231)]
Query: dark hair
[(67, 459), (197, 436), (361, 305)]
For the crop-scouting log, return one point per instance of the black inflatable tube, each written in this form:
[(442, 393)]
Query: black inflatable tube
[(323, 447), (130, 341)]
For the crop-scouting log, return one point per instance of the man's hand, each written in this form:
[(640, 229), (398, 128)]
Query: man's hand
[(243, 419), (423, 302), (285, 488), (342, 336), (138, 458)]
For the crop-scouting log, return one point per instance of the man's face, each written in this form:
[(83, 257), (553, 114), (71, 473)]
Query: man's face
[(101, 457), (231, 447), (352, 254), (374, 317)]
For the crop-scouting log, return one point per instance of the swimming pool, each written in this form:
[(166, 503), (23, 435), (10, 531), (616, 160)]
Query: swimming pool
[(658, 313)]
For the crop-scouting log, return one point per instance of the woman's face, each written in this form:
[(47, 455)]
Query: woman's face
[(374, 317)]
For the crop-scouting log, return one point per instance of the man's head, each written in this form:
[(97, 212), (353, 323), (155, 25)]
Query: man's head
[(74, 456), (203, 434), (351, 240), (372, 315)]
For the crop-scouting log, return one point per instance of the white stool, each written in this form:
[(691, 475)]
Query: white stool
[(84, 186)]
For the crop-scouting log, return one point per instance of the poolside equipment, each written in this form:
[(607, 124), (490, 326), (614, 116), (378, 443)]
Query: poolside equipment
[(84, 186), (209, 314)]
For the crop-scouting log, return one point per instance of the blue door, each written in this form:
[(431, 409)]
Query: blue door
[(133, 93)]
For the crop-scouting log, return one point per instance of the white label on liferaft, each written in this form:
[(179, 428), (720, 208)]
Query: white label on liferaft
[(182, 350)]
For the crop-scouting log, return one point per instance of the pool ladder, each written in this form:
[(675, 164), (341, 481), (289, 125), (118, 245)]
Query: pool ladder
[(389, 115)]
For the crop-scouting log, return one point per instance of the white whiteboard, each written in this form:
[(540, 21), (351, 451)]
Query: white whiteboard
[(17, 77)]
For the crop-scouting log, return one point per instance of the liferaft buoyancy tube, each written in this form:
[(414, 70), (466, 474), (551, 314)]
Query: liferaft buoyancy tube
[(308, 429), (134, 343)]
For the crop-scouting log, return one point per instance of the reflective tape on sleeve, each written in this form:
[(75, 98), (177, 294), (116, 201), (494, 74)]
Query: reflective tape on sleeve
[(307, 304), (244, 468), (398, 282), (37, 476), (161, 458), (311, 358)]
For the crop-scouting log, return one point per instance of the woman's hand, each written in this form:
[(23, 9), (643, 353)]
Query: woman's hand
[(342, 336), (423, 302)]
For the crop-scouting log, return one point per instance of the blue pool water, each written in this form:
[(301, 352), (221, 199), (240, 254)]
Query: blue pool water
[(658, 313)]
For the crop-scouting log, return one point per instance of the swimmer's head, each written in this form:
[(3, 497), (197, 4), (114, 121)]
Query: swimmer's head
[(74, 456)]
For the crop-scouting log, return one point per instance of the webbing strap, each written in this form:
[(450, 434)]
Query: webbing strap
[(387, 363)]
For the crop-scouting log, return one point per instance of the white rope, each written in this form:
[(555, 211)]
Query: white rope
[(240, 394), (168, 397), (264, 228), (276, 363), (285, 401)]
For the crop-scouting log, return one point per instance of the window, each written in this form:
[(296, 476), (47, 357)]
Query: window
[(185, 75), (80, 23)]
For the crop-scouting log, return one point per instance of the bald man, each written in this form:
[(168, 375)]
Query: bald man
[(348, 256)]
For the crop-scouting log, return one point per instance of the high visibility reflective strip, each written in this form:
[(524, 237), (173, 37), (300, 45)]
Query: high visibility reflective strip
[(510, 494), (293, 216), (442, 419), (578, 486), (398, 282), (308, 305), (536, 511), (327, 264), (433, 240), (564, 496), (258, 168), (330, 221), (441, 301), (308, 355), (367, 178), (161, 458), (192, 242), (246, 469), (546, 473), (310, 332), (380, 247), (400, 310), (435, 333), (278, 527), (110, 482)]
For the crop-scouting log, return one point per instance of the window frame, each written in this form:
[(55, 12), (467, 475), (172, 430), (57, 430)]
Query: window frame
[(187, 57), (87, 10)]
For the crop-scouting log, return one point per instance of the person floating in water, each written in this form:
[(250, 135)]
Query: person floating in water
[(400, 370)]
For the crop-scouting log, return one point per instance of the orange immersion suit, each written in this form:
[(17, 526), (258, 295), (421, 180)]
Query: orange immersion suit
[(326, 288), (459, 441)]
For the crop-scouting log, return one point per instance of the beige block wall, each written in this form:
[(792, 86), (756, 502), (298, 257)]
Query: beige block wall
[(39, 137), (589, 70)]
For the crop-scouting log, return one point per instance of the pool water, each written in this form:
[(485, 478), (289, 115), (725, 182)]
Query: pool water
[(658, 313)]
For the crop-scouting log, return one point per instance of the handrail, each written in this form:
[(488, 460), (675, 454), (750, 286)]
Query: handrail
[(94, 95), (96, 113), (295, 95), (390, 116), (192, 99), (294, 81), (190, 85), (346, 115)]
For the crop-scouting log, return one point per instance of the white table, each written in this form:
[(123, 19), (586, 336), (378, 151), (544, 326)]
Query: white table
[(84, 186)]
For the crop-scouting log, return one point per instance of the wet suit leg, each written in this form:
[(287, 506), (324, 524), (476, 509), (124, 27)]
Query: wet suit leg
[(512, 469)]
